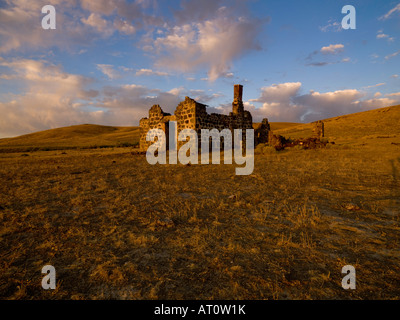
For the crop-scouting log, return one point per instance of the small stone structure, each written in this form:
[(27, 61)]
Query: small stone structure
[(318, 129), (261, 131), (190, 114)]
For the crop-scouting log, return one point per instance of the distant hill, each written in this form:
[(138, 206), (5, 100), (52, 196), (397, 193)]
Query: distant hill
[(82, 136), (380, 124), (278, 125), (79, 136), (356, 128)]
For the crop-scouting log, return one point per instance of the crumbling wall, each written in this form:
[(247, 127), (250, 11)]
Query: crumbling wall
[(261, 132), (186, 114), (158, 119)]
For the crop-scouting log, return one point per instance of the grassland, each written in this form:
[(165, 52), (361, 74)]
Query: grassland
[(115, 227)]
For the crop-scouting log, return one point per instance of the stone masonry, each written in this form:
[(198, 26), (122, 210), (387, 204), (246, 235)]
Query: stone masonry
[(190, 114)]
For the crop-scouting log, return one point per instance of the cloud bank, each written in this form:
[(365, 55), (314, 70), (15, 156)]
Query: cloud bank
[(50, 97), (284, 102), (213, 43), (200, 34)]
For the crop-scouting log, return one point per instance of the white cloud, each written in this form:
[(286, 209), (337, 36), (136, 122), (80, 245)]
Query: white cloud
[(109, 71), (101, 25), (381, 35), (213, 44), (228, 75), (124, 27), (328, 104), (390, 56), (390, 12), (376, 85), (41, 76), (176, 91), (376, 103), (327, 53), (397, 94), (282, 92), (332, 26), (277, 103), (332, 49), (149, 72)]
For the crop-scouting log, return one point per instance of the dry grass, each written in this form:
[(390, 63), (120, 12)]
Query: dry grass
[(116, 227)]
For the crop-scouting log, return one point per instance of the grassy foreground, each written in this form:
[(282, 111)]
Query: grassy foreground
[(115, 227)]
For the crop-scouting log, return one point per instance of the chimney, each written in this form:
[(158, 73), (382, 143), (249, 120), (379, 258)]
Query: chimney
[(238, 92), (237, 104)]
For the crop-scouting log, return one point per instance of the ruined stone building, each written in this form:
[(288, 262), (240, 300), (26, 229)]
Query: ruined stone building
[(191, 114)]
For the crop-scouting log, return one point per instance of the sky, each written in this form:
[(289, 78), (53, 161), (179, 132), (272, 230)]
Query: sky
[(108, 61)]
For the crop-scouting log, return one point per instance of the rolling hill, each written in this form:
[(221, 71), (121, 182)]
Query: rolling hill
[(79, 136), (357, 128), (83, 136)]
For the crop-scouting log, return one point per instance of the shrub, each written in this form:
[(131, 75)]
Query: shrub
[(126, 144)]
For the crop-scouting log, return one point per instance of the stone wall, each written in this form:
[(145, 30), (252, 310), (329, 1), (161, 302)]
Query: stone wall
[(158, 119), (186, 115)]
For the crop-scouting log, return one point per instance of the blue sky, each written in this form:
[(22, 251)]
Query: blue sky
[(109, 61)]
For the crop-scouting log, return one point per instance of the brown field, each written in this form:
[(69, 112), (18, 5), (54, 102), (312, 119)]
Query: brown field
[(115, 227)]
